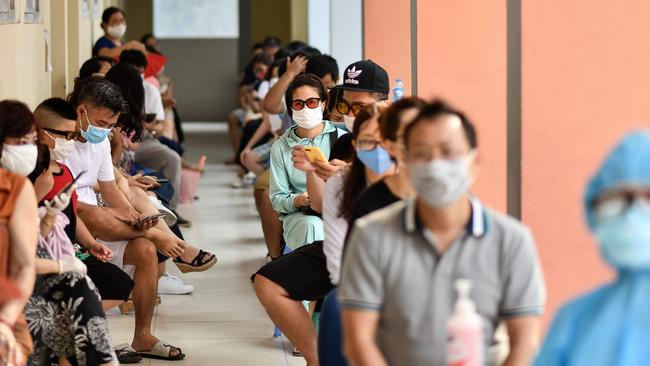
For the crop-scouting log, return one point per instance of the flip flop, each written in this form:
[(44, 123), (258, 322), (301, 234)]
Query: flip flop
[(126, 354), (198, 264), (163, 351)]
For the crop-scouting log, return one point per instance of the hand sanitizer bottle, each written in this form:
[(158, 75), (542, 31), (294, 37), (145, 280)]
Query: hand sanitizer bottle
[(465, 330)]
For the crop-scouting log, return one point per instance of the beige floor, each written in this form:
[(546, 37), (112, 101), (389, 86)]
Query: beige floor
[(221, 323)]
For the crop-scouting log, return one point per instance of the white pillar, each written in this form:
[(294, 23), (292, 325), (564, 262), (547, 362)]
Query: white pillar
[(318, 25), (346, 31)]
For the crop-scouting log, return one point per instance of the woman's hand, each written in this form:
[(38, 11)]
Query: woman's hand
[(302, 200), (325, 169), (59, 202), (101, 252), (300, 160), (72, 264)]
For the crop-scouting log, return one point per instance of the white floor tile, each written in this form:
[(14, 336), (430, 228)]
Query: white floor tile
[(221, 323)]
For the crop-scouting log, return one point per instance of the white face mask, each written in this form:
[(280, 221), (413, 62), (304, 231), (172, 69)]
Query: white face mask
[(275, 121), (308, 118), (62, 148), (349, 122), (441, 182), (116, 31), (20, 159)]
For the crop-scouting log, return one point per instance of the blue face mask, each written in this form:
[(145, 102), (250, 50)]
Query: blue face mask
[(625, 240), (94, 135), (376, 159)]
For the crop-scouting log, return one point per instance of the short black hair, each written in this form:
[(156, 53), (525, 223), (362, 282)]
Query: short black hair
[(304, 80), (334, 95), (321, 65), (106, 59), (60, 107), (146, 37), (261, 58), (282, 53), (306, 51), (134, 57), (438, 108), (108, 13), (16, 120), (90, 67), (100, 93), (127, 78), (271, 41), (93, 65), (294, 46)]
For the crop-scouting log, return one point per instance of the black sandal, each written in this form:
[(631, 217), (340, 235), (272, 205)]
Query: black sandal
[(198, 264), (127, 355)]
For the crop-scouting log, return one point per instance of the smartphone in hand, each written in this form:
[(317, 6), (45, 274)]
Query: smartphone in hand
[(314, 153)]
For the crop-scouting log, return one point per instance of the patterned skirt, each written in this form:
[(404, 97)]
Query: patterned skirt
[(66, 319)]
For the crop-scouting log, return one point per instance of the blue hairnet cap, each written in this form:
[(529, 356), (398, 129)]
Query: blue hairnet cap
[(628, 164)]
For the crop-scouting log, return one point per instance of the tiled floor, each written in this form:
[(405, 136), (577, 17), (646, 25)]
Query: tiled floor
[(221, 323)]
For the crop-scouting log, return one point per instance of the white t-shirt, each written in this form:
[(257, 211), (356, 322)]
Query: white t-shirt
[(335, 227), (96, 160), (153, 101), (263, 89)]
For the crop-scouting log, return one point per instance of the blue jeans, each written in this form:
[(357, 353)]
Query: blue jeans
[(330, 333)]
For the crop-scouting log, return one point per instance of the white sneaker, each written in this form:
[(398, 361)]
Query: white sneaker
[(249, 179), (172, 285), (237, 183)]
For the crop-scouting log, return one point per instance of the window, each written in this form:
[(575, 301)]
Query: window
[(8, 14), (196, 19), (33, 11)]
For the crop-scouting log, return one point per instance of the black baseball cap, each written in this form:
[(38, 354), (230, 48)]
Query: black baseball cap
[(365, 76)]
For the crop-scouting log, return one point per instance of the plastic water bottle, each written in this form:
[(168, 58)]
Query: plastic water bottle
[(465, 330), (398, 90)]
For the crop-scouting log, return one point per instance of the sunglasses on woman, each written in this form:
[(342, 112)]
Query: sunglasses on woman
[(311, 103), (68, 135)]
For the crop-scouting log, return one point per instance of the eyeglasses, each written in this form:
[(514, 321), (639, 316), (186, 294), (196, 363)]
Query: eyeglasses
[(424, 154), (619, 204), (344, 108), (367, 144), (68, 135), (312, 103)]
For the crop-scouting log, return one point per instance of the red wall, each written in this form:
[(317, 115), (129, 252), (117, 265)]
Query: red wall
[(462, 58), (586, 80), (387, 32)]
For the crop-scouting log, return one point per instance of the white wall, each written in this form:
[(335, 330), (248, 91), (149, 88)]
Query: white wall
[(22, 61)]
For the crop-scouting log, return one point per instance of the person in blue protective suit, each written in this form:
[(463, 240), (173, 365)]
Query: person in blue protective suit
[(611, 325)]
